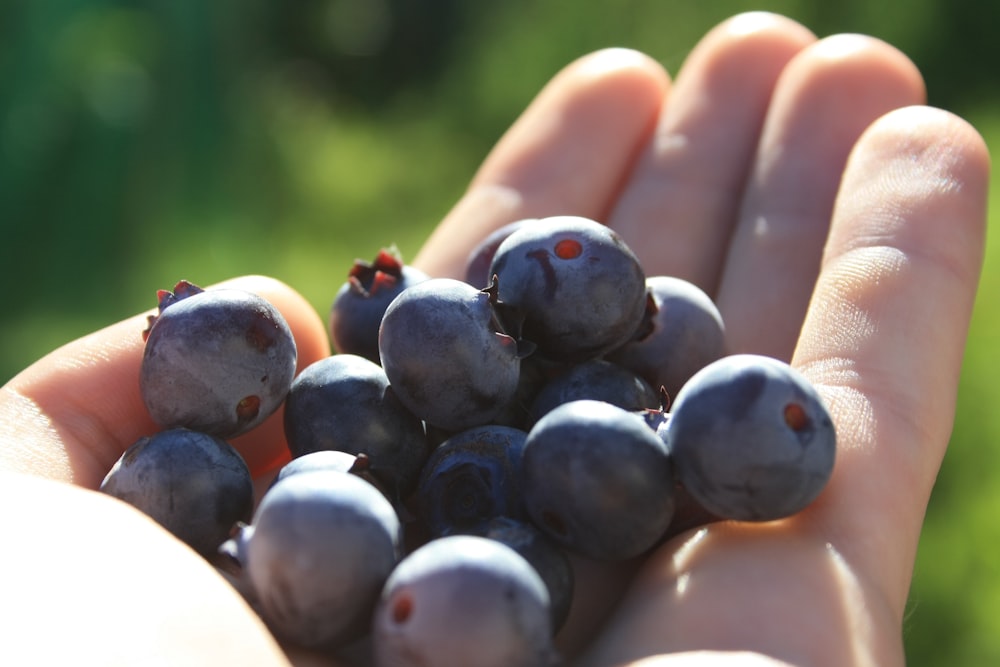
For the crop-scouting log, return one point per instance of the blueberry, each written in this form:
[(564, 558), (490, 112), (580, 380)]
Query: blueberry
[(193, 484), (217, 361), (598, 380), (345, 402), (463, 601), (571, 286), (477, 269), (683, 332), (329, 459), (471, 478), (550, 561), (319, 549), (598, 480), (324, 459), (535, 372), (445, 355), (752, 438), (361, 301)]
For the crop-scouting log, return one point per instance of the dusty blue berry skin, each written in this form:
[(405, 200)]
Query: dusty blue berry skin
[(683, 331), (548, 559), (572, 285), (361, 301), (218, 361), (752, 439), (345, 402), (463, 601), (472, 477), (329, 459), (325, 459), (598, 480), (316, 555), (599, 380), (193, 484), (444, 355), (477, 269)]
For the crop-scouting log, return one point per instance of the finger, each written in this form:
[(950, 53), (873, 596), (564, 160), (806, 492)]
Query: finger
[(886, 333), (829, 585), (70, 415), (159, 602), (680, 205), (825, 99), (566, 155)]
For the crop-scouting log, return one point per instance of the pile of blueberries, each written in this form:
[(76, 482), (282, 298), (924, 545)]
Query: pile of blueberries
[(464, 440)]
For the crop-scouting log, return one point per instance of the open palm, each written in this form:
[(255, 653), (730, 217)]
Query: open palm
[(838, 224)]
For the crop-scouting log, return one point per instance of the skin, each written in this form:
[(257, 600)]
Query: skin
[(799, 181)]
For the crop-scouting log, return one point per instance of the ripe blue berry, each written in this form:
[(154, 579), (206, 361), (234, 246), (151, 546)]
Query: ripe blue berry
[(361, 301), (324, 459), (682, 332), (193, 484), (217, 361), (329, 459), (752, 439), (345, 402), (445, 356), (598, 480), (477, 270), (571, 286), (598, 380), (463, 601), (471, 478), (317, 554), (550, 561)]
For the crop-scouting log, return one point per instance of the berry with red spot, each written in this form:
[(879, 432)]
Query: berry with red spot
[(571, 286), (752, 439), (218, 361), (463, 601)]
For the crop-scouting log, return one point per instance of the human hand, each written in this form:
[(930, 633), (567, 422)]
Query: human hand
[(793, 179)]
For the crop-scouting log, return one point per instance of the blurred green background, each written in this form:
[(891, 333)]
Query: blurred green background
[(145, 141)]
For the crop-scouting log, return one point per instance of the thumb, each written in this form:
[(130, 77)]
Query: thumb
[(70, 415)]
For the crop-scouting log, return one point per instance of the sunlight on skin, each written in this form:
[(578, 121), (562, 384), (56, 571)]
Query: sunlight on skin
[(89, 608)]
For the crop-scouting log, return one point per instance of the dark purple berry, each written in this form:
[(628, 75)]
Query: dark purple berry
[(477, 270), (218, 361), (463, 601), (598, 480), (471, 478), (345, 402), (752, 439), (319, 549), (683, 332), (597, 380), (445, 355), (571, 286), (193, 484), (550, 561), (361, 301), (330, 459)]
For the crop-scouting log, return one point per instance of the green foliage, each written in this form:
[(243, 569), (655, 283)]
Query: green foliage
[(144, 141)]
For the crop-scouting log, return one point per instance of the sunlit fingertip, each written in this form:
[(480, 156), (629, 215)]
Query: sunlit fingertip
[(613, 59)]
